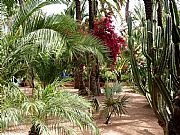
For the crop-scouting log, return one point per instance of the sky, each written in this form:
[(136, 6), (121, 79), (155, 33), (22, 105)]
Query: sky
[(58, 8), (54, 9)]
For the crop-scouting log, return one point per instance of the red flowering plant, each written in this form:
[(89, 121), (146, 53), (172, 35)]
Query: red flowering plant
[(105, 31)]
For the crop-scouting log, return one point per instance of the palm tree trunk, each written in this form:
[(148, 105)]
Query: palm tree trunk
[(79, 82), (32, 78), (78, 10), (94, 76), (78, 19), (76, 79), (148, 9), (82, 87), (95, 7), (108, 117), (93, 83), (34, 130), (97, 78), (127, 10), (91, 16)]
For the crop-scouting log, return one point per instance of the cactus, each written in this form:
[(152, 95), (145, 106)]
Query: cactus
[(158, 47)]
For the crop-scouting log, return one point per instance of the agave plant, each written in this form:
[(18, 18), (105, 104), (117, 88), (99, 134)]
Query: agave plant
[(111, 105)]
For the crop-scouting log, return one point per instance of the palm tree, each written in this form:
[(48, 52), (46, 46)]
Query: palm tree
[(41, 43), (94, 11), (45, 110), (93, 76), (79, 82)]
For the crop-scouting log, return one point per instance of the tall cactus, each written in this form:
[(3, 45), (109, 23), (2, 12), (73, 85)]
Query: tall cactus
[(158, 47)]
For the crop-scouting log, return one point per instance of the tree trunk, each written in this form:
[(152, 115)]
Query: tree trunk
[(148, 9), (78, 11), (76, 79), (97, 78), (32, 78), (95, 7), (94, 75), (127, 10), (82, 87), (35, 130), (93, 84), (79, 82), (76, 72), (91, 16), (31, 82)]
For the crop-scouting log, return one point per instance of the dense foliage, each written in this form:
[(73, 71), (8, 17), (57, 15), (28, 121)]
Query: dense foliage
[(105, 31), (37, 48), (158, 75)]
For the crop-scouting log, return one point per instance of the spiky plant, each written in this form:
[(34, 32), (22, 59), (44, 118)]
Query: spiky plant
[(111, 105), (160, 47)]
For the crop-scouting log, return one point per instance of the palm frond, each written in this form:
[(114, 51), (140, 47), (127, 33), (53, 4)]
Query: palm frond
[(69, 107), (11, 97), (121, 105), (28, 9), (34, 107), (10, 116), (115, 106)]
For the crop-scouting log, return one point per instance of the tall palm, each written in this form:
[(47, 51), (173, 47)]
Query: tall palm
[(79, 82), (93, 83)]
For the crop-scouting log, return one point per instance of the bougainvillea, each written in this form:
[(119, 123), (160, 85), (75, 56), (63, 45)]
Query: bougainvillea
[(105, 31)]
